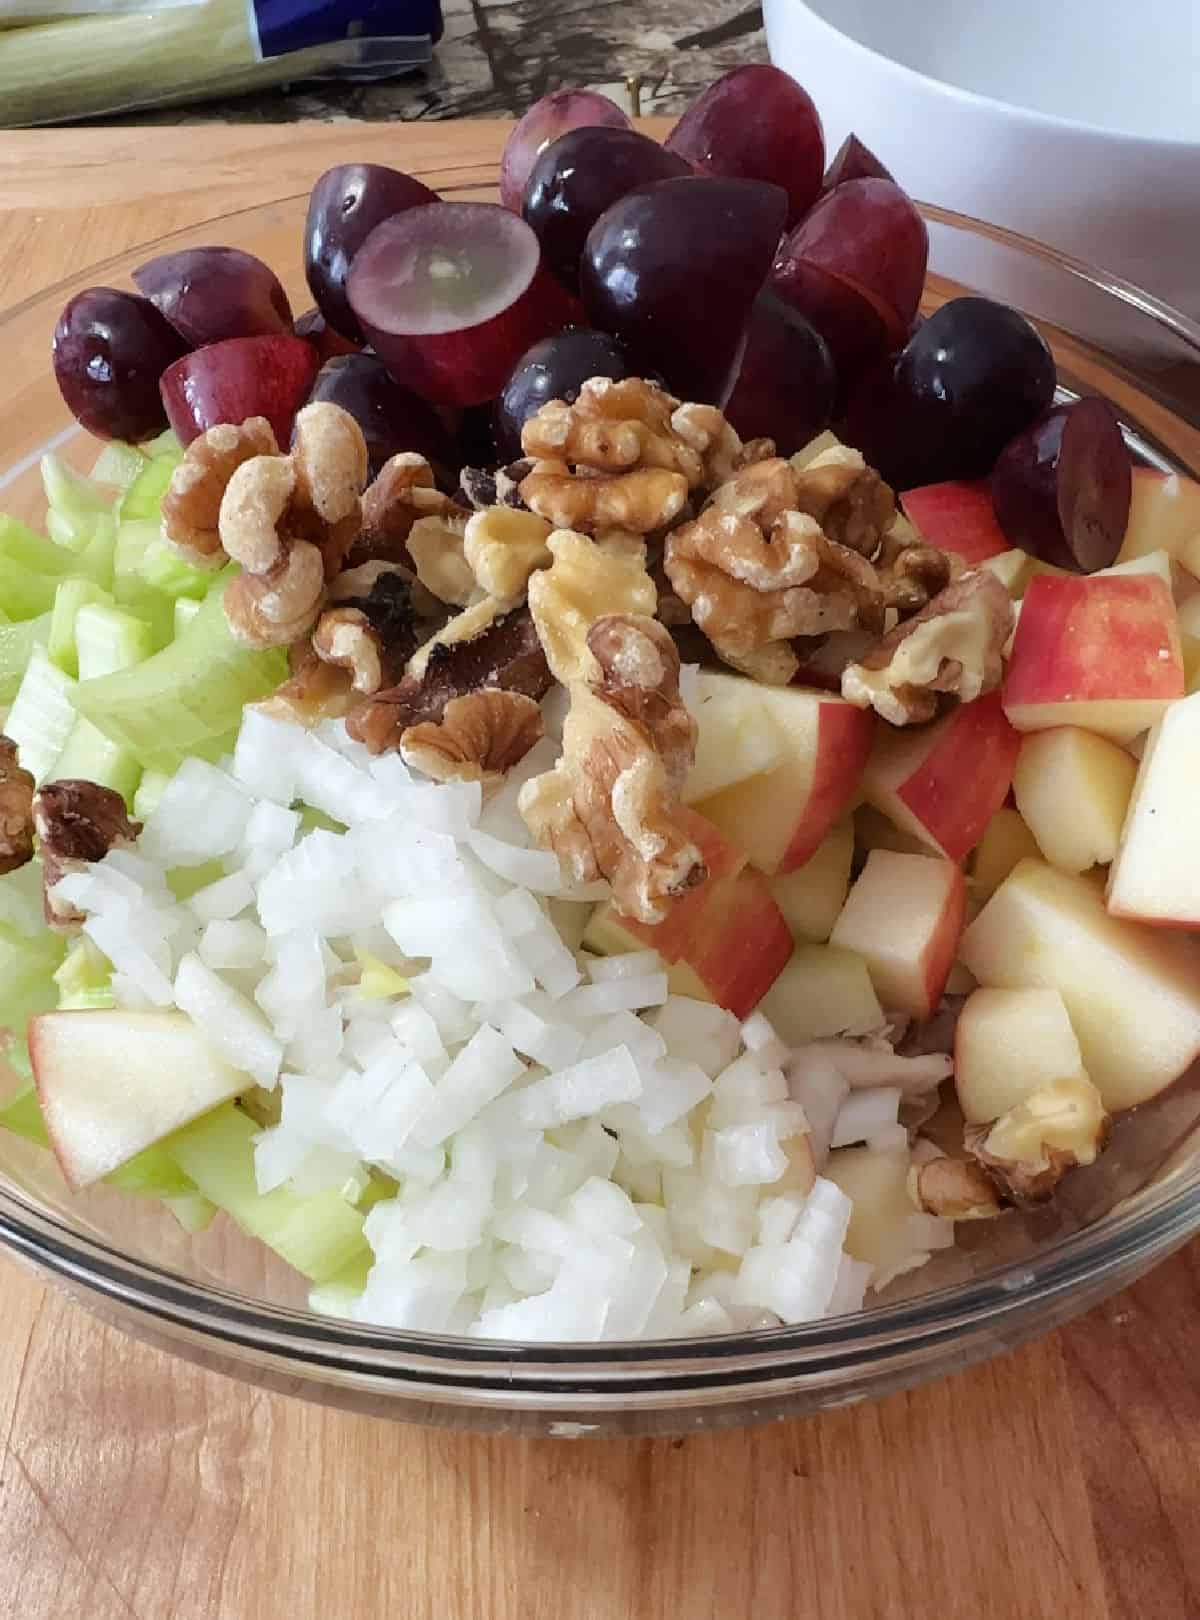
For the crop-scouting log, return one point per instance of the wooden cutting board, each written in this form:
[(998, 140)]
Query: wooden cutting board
[(1060, 1483)]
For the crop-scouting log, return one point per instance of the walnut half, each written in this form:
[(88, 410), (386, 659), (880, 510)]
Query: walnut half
[(76, 823), (1027, 1151), (479, 737), (16, 810)]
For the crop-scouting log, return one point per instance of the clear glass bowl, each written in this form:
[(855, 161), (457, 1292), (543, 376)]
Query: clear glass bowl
[(219, 1301)]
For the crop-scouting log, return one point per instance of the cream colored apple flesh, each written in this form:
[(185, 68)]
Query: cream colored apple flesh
[(1164, 514), (111, 1083), (1073, 788), (781, 816), (822, 992), (904, 917), (1008, 1043), (1156, 875), (812, 896), (736, 737), (1006, 841), (1132, 992)]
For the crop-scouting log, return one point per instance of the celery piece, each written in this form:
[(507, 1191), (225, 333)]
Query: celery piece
[(192, 1210), (150, 791), (22, 1115), (96, 559), (24, 593), (130, 587), (21, 899), (42, 714), (22, 546), (186, 609), (74, 499), (187, 698), (335, 1297), (154, 1172), (70, 596), (85, 974), (108, 639), (143, 498), (320, 1235), (166, 571), (167, 444), (118, 465), (27, 966), (185, 881), (17, 642), (89, 756), (377, 981)]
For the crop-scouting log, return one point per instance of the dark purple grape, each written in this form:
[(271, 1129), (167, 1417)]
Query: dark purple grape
[(476, 441), (850, 323), (784, 390), (853, 161), (110, 349), (555, 368), (392, 418), (545, 121), (210, 294), (580, 175), (344, 208), (315, 329), (1062, 488), (673, 270)]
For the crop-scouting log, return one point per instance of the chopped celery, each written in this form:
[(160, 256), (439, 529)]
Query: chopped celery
[(130, 587), (167, 444), (186, 609), (89, 756), (84, 979), (317, 821), (335, 1297), (22, 1115), (17, 642), (29, 550), (377, 980), (118, 465), (143, 498), (42, 715), (192, 1210), (187, 698), (321, 1235), (166, 571), (73, 499), (153, 1172), (27, 965), (21, 899), (25, 593), (95, 560), (150, 791), (185, 881), (70, 596), (109, 639)]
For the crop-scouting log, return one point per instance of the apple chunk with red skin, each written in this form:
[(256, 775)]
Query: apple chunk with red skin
[(943, 783), (904, 917), (1101, 651), (111, 1083), (957, 516), (1132, 992), (781, 816), (1164, 515), (1156, 873)]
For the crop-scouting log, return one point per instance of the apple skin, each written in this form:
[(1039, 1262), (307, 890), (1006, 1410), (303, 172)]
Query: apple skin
[(957, 516), (1100, 651), (242, 377), (782, 816), (1164, 514), (904, 917), (917, 779), (1156, 874), (1132, 992)]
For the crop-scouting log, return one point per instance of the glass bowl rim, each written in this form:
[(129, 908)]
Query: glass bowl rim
[(1165, 1217)]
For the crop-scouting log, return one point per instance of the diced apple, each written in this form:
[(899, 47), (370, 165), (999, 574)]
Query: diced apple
[(874, 830), (876, 1183), (780, 817), (943, 783), (1133, 993), (736, 736), (904, 917), (959, 517), (1007, 1043), (1014, 569), (1099, 651), (111, 1083), (1181, 584), (1006, 841), (811, 896), (1191, 664), (1156, 874), (1072, 788), (822, 991), (1164, 514)]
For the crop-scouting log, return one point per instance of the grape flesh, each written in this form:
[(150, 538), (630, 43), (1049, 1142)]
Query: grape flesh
[(853, 161), (673, 270), (110, 349), (545, 121), (1062, 488), (344, 207), (868, 233), (756, 123), (580, 175), (785, 387), (392, 418), (212, 293), (555, 368)]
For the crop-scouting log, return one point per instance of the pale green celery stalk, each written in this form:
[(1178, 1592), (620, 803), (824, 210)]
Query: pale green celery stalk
[(75, 503), (85, 978), (185, 881), (186, 609), (19, 544), (22, 1115), (321, 1235), (335, 1297), (118, 465), (192, 1210), (89, 756), (167, 444), (96, 559), (27, 966), (186, 699), (152, 1173), (108, 639), (42, 714), (150, 790), (24, 593), (17, 642), (70, 596), (129, 585), (21, 899), (166, 571), (143, 498)]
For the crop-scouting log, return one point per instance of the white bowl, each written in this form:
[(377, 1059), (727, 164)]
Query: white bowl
[(1073, 121)]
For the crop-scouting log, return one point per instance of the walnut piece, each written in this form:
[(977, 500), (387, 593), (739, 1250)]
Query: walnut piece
[(611, 807), (402, 492), (16, 810), (191, 507), (955, 1189), (503, 546), (952, 648), (76, 823), (643, 499), (848, 499), (435, 545), (345, 637), (586, 579), (479, 737), (1027, 1151), (278, 607), (256, 499), (911, 573), (329, 456)]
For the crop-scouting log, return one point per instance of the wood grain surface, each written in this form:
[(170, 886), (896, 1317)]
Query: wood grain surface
[(1059, 1483)]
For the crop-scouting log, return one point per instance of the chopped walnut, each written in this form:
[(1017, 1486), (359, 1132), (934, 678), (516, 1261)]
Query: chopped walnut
[(345, 637), (614, 427), (1028, 1150), (611, 807), (76, 823), (586, 579), (376, 620), (191, 507), (849, 500), (16, 810), (911, 572), (955, 1189), (256, 499), (639, 501), (436, 547), (278, 607), (479, 737), (313, 691), (952, 648), (402, 492), (502, 546), (329, 455)]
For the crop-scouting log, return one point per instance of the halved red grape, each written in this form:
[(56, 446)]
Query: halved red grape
[(1062, 488), (869, 234), (227, 382), (450, 296), (851, 325), (555, 368), (545, 121), (315, 329), (784, 389), (344, 207), (110, 348), (391, 418), (673, 269), (756, 123), (853, 161), (580, 175), (212, 293)]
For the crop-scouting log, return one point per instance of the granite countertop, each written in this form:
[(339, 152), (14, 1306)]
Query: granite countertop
[(499, 56)]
